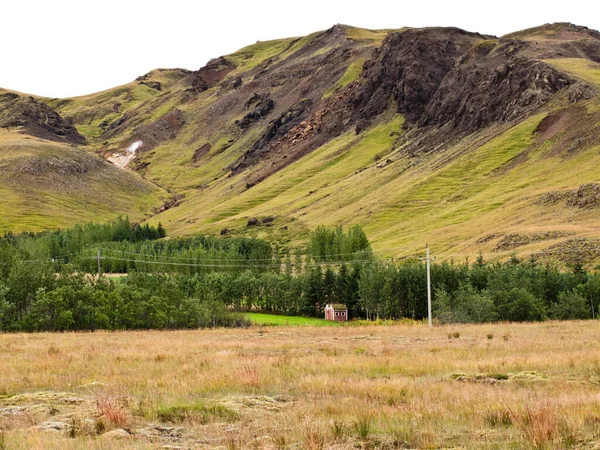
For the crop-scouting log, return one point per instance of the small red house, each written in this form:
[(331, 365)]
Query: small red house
[(336, 312)]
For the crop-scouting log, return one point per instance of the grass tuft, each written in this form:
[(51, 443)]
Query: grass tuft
[(115, 414), (197, 412), (363, 427)]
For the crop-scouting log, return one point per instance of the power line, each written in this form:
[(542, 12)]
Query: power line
[(200, 261), (171, 263), (195, 258)]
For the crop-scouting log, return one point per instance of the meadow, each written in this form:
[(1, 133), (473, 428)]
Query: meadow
[(492, 386), (278, 320)]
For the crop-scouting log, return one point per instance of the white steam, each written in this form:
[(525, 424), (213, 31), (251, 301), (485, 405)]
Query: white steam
[(133, 147), (122, 159)]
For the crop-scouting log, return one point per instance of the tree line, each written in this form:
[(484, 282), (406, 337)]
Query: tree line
[(203, 281)]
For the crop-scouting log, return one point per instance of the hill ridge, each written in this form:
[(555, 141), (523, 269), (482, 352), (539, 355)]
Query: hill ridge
[(375, 127)]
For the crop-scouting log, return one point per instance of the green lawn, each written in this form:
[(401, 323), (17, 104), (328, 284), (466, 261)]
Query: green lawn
[(273, 319)]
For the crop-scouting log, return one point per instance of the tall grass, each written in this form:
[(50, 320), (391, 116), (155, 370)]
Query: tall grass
[(310, 387)]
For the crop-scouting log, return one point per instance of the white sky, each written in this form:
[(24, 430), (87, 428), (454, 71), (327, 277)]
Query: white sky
[(60, 48)]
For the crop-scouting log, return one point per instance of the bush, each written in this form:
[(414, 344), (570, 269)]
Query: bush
[(467, 305), (570, 305), (519, 305)]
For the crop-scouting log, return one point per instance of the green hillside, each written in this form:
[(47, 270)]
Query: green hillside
[(470, 143), (50, 185)]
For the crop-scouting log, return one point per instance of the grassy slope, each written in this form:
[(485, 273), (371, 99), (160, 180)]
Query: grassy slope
[(408, 202), (89, 111), (49, 185), (446, 199), (413, 200)]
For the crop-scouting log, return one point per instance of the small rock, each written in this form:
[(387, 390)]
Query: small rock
[(56, 426), (225, 231), (117, 433), (12, 410), (252, 222), (268, 219)]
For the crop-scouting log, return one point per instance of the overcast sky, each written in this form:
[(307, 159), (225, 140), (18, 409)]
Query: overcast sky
[(60, 48)]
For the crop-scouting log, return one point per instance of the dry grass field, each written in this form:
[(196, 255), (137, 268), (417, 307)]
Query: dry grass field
[(485, 386)]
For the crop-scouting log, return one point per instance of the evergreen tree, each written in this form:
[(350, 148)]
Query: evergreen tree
[(160, 230)]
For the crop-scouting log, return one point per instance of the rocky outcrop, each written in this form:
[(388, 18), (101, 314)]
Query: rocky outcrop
[(496, 87), (209, 75), (36, 119), (261, 105), (439, 79), (201, 152), (409, 69), (586, 196)]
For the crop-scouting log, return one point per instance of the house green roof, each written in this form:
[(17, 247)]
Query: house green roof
[(338, 306)]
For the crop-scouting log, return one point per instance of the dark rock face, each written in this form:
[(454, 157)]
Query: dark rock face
[(284, 123), (409, 68), (439, 78), (237, 83), (278, 129), (489, 89), (36, 119), (152, 84), (262, 104)]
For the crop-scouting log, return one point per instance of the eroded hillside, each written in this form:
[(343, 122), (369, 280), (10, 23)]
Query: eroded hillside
[(467, 141)]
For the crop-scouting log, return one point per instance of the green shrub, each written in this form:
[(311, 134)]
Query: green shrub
[(570, 305), (467, 305), (519, 305)]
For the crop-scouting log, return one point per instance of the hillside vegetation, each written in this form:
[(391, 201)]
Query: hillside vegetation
[(467, 141), (52, 185)]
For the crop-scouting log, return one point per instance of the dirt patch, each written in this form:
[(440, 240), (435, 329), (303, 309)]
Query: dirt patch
[(557, 123), (511, 164), (201, 152), (512, 241)]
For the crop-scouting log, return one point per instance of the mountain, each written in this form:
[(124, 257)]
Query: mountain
[(467, 141)]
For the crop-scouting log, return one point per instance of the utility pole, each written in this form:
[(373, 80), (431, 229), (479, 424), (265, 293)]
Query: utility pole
[(428, 259), (99, 266)]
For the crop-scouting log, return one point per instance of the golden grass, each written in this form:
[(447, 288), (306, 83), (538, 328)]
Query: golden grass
[(470, 386), (579, 67)]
